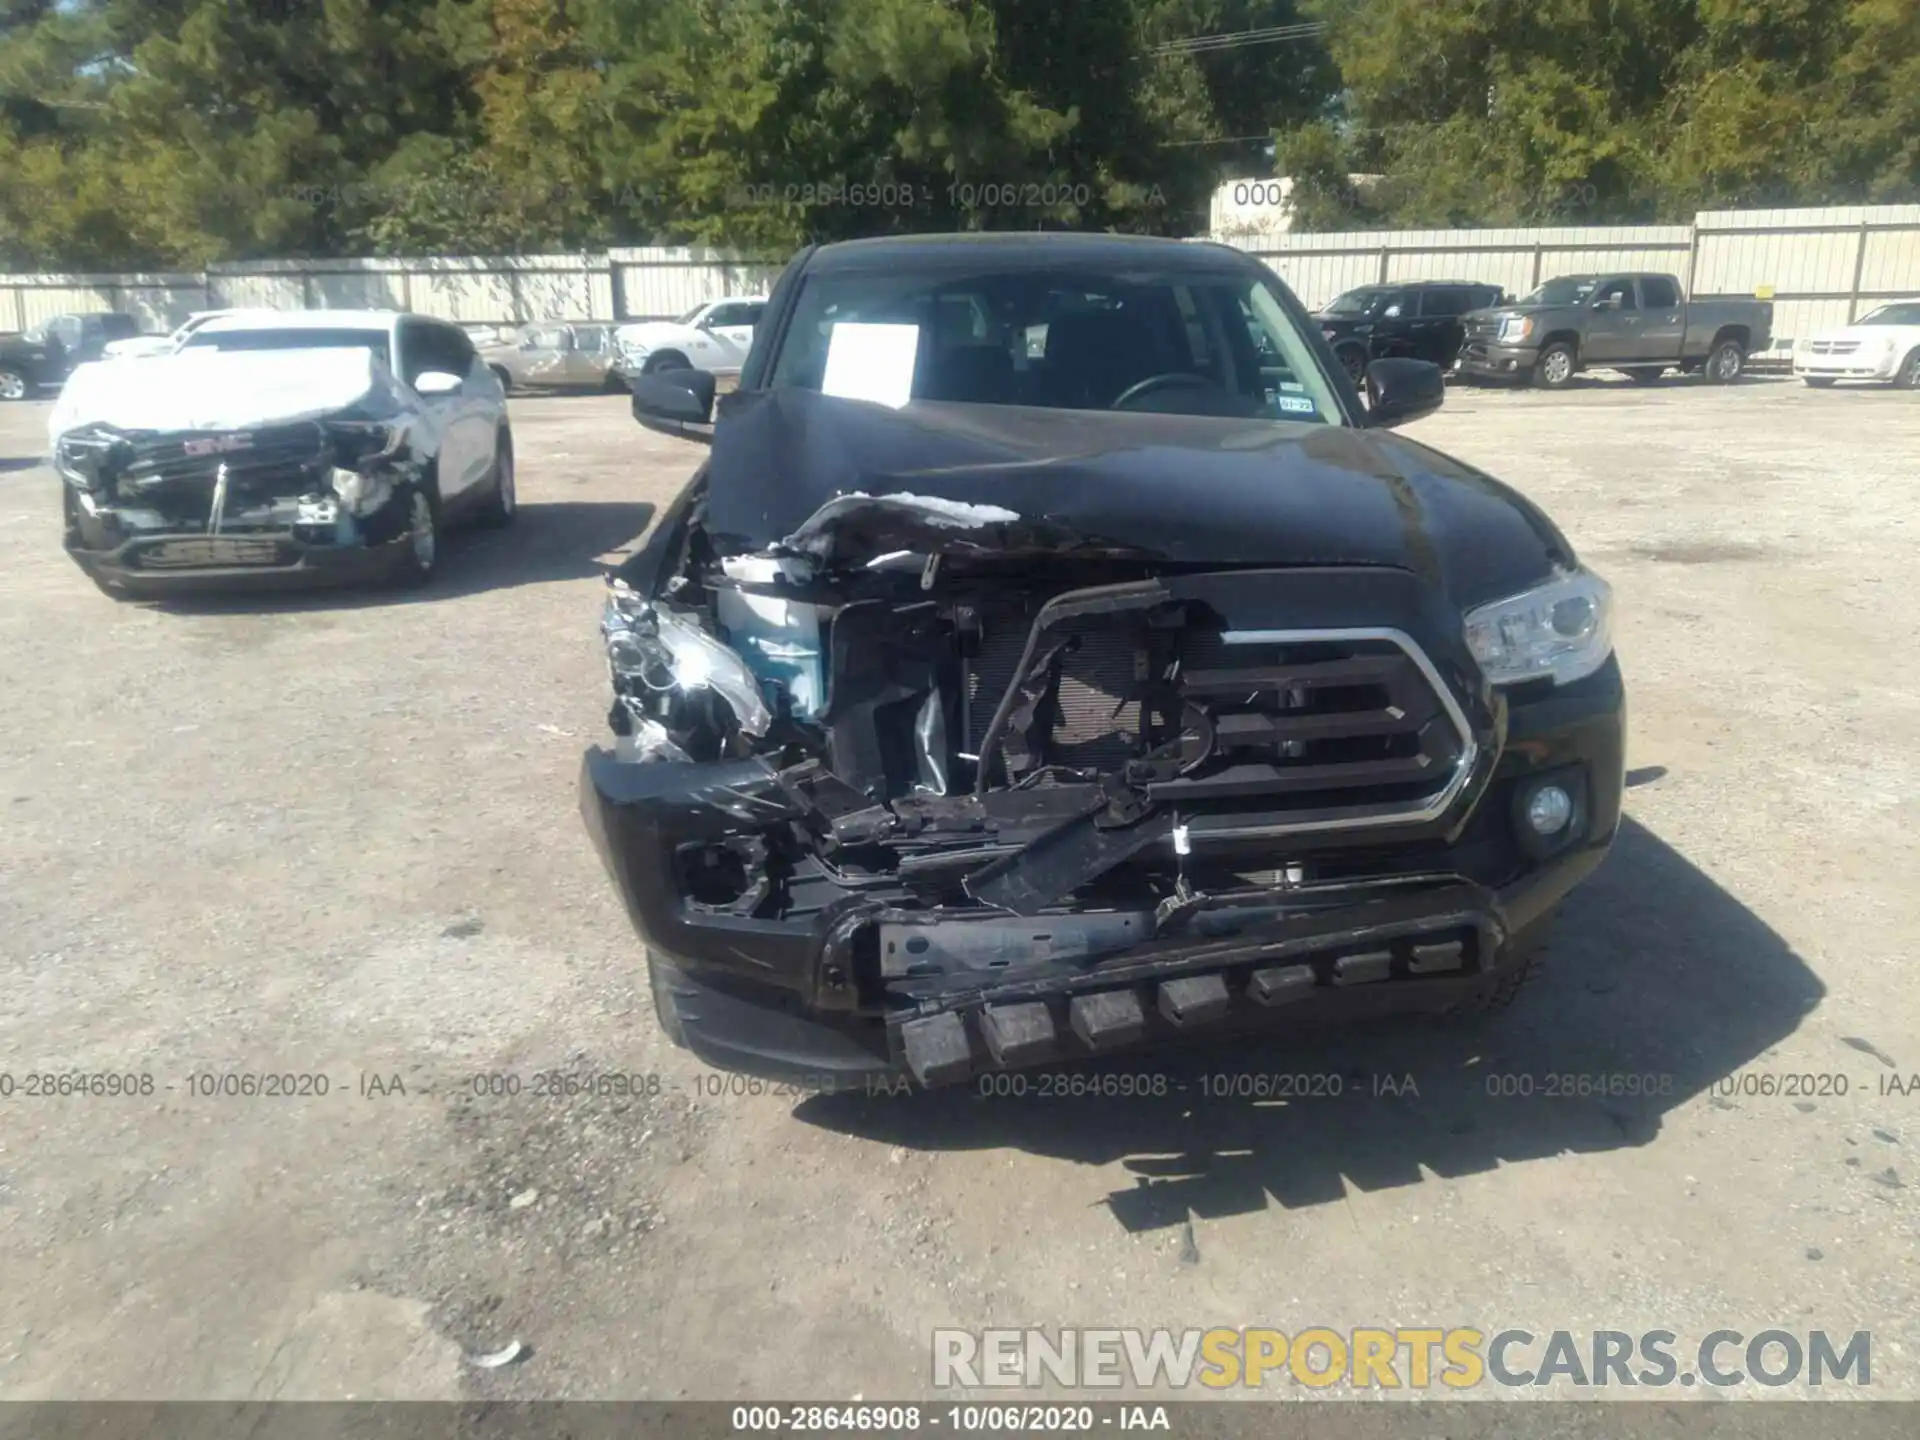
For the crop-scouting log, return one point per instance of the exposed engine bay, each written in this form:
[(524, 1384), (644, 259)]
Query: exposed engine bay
[(960, 728)]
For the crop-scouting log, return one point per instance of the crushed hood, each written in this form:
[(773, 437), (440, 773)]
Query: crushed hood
[(229, 390), (846, 481)]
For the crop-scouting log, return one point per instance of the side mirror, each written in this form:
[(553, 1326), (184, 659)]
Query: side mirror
[(1401, 390), (676, 402), (437, 382)]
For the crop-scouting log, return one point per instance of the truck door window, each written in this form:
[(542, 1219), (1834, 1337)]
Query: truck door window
[(1443, 301), (1619, 291), (1659, 292)]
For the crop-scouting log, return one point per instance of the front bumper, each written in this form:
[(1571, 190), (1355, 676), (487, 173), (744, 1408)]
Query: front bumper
[(1434, 923), (1846, 367), (293, 564), (1495, 361)]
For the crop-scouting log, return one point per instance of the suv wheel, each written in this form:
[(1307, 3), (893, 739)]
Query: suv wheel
[(1725, 362), (421, 556), (502, 502), (1355, 361), (13, 385), (1907, 377), (1555, 366)]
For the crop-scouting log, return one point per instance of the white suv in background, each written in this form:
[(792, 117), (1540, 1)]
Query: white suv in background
[(1882, 345), (714, 336)]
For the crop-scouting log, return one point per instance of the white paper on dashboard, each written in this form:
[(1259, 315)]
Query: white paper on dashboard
[(871, 362)]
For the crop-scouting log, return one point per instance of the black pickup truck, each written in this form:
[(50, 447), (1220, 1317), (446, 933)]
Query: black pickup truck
[(1057, 653), (45, 355), (1638, 324)]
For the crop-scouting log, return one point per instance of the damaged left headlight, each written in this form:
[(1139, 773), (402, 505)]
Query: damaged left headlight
[(361, 492), (87, 460), (655, 649)]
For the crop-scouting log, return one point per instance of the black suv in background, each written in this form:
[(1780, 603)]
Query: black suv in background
[(45, 355), (1412, 319)]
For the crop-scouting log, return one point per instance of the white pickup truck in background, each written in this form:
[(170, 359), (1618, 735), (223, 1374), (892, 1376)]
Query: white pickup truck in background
[(714, 336)]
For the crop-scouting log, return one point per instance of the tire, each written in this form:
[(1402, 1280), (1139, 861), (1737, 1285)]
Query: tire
[(663, 1010), (1646, 374), (613, 384), (505, 379), (13, 385), (1725, 362), (1354, 360), (1907, 377), (1554, 369), (420, 559), (503, 499), (1823, 382)]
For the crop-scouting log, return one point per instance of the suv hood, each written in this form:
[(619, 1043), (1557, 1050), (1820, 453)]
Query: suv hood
[(845, 481)]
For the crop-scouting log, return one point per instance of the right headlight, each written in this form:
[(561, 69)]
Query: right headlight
[(1560, 631), (1516, 327)]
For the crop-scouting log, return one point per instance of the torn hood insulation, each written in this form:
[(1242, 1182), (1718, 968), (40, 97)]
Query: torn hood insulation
[(229, 390), (844, 482)]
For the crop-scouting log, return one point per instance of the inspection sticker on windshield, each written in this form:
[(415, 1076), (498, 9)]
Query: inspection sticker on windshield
[(871, 362), (1295, 404)]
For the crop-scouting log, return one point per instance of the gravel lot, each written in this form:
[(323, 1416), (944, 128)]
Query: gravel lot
[(337, 834)]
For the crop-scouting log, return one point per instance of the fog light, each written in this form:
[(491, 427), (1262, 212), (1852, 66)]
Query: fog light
[(1549, 809)]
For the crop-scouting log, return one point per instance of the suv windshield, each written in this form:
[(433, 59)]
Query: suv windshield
[(1367, 300), (1904, 314), (1188, 343), (1567, 290), (291, 339)]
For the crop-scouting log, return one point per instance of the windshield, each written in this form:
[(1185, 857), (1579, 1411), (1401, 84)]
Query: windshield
[(1567, 290), (1365, 301), (292, 338), (691, 315), (1178, 343), (1906, 313)]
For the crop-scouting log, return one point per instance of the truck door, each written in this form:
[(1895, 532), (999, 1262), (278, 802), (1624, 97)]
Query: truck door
[(1663, 318), (1613, 324), (1438, 333)]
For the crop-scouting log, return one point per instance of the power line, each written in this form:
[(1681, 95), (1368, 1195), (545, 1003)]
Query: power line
[(1234, 40)]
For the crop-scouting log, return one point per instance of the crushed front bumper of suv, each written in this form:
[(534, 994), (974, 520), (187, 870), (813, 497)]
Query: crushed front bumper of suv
[(1034, 826), (307, 502)]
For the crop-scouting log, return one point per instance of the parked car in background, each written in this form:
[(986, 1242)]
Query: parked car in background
[(168, 343), (1414, 319), (44, 356), (1639, 324), (713, 336), (555, 355), (1882, 345), (299, 447)]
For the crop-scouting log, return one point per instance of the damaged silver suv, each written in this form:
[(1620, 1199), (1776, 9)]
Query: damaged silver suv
[(1056, 654)]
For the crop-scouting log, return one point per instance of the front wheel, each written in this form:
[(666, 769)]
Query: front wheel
[(1354, 359), (503, 501), (1725, 362), (420, 558), (13, 385), (1907, 377), (1554, 369)]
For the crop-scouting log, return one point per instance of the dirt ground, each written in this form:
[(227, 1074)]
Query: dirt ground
[(337, 836)]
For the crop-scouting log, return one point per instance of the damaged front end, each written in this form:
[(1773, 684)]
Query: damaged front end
[(926, 788), (151, 509)]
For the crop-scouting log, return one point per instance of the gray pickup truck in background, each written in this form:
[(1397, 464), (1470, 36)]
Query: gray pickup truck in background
[(1638, 324)]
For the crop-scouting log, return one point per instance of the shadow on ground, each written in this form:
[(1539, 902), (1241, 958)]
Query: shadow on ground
[(545, 543), (1655, 975), (11, 463)]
